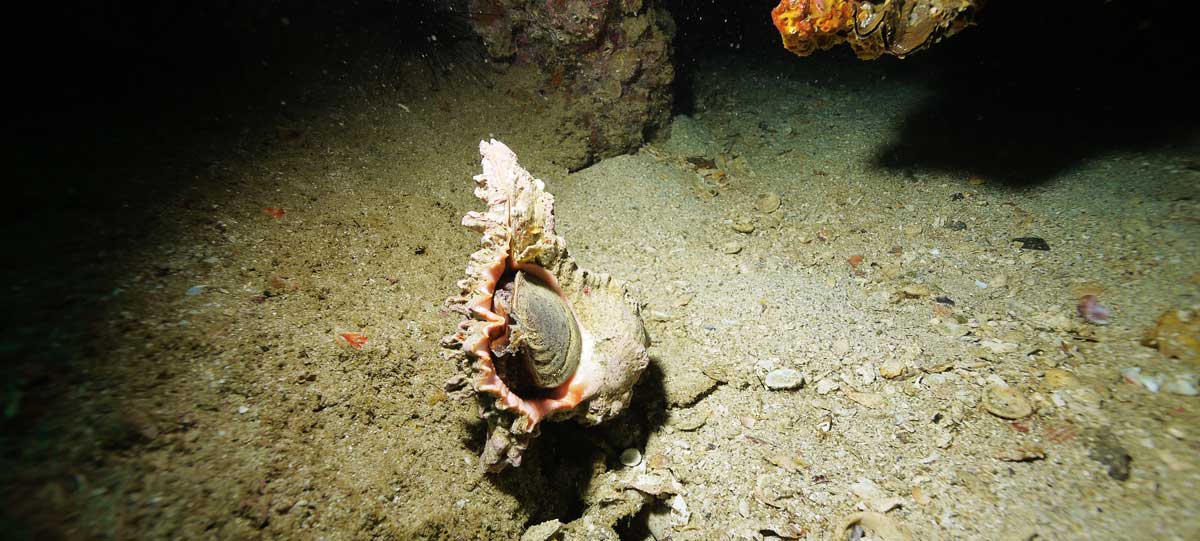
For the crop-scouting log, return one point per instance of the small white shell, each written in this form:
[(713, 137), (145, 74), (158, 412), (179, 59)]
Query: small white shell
[(631, 457)]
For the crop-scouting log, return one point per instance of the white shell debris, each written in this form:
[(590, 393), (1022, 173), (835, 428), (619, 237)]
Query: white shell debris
[(542, 532), (1006, 402), (784, 379), (1135, 375)]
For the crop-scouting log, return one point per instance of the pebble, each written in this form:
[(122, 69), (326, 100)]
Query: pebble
[(195, 290), (1033, 243), (631, 457), (999, 346), (731, 248), (689, 420), (866, 373), (768, 203), (891, 369), (826, 386), (1006, 403), (1057, 378), (743, 227), (542, 532), (1176, 334), (784, 379)]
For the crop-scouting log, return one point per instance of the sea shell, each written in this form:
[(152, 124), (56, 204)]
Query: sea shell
[(542, 339)]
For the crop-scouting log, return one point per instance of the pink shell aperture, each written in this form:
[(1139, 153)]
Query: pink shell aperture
[(518, 235)]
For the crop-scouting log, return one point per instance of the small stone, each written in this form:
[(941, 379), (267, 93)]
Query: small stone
[(891, 369), (1033, 243), (1006, 403), (1057, 379), (682, 300), (689, 420), (866, 374), (784, 379), (631, 457), (743, 227), (826, 386), (1176, 333), (999, 346), (542, 532), (841, 347), (680, 515), (768, 203), (731, 248), (866, 489)]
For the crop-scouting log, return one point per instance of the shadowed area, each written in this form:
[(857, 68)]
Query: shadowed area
[(1032, 91)]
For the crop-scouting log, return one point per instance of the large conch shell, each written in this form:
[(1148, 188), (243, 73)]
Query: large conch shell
[(542, 339)]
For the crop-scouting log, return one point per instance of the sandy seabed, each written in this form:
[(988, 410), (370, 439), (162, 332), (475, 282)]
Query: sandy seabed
[(191, 381)]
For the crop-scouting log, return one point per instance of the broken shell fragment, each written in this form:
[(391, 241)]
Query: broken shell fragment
[(768, 202), (541, 339), (784, 379), (1006, 403)]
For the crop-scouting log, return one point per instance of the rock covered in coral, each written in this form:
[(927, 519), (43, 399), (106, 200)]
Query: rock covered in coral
[(873, 29), (608, 63), (542, 339)]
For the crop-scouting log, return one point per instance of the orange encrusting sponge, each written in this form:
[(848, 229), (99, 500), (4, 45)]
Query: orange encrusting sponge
[(808, 25)]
